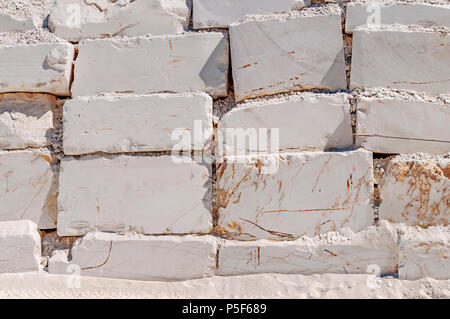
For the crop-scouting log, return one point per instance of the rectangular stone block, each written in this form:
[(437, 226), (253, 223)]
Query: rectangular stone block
[(423, 14), (40, 68), (140, 257), (284, 196), (20, 247), (150, 195), (111, 18), (27, 120), (415, 190), (12, 24), (304, 121), (401, 125), (424, 253), (342, 252), (136, 123), (401, 57), (291, 52), (140, 65), (220, 14), (26, 188)]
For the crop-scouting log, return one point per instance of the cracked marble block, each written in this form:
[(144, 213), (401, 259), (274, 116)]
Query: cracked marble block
[(401, 58), (136, 123), (138, 257), (20, 247), (220, 14), (281, 53), (12, 24), (389, 125), (416, 191), (27, 190), (40, 68), (140, 65), (424, 253), (26, 120), (304, 121), (75, 20), (343, 252), (285, 196), (150, 195), (423, 14)]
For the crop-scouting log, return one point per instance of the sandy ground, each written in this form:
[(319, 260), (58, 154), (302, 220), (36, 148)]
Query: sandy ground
[(43, 285)]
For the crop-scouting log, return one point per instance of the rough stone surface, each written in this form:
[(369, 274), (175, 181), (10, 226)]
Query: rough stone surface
[(141, 257), (305, 121), (424, 253), (416, 191), (335, 252), (220, 14), (151, 195), (188, 62), (42, 68), (26, 184), (26, 120), (20, 247), (305, 193), (78, 19), (134, 123), (361, 14), (281, 53), (401, 58), (8, 23), (390, 125)]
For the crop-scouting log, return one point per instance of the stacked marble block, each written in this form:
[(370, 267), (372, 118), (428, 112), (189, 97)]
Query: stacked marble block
[(143, 216)]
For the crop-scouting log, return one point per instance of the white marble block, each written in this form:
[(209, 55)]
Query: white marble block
[(139, 257), (284, 196), (20, 247), (390, 125), (40, 68), (292, 52), (424, 253), (74, 20), (415, 190), (342, 252), (400, 57), (136, 123), (304, 121), (140, 65), (26, 188), (150, 195), (423, 14), (220, 14), (26, 120)]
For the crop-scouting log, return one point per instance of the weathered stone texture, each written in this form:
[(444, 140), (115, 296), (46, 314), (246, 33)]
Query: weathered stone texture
[(141, 257), (304, 194), (416, 191), (12, 24), (151, 195), (140, 65)]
